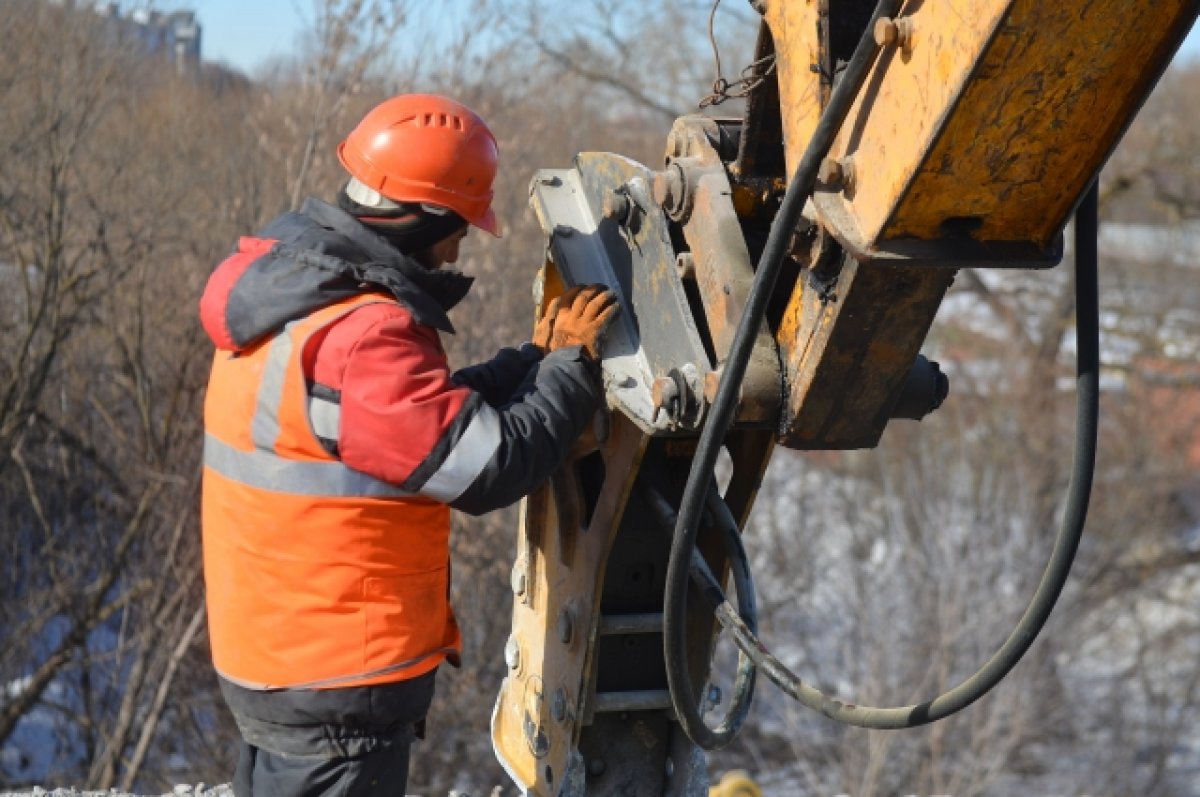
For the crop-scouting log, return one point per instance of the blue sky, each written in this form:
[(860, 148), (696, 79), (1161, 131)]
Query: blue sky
[(245, 33)]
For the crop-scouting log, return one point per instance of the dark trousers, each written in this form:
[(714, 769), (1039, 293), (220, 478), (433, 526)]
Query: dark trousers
[(341, 742)]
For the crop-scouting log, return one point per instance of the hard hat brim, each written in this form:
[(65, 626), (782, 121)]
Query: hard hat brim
[(488, 223)]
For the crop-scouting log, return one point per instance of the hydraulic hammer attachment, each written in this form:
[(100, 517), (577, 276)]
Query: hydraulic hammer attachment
[(791, 263)]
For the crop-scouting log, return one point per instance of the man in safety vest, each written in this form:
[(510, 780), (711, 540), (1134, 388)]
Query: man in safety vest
[(337, 440)]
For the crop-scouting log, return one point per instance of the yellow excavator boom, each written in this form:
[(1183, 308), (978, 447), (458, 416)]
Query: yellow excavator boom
[(970, 131)]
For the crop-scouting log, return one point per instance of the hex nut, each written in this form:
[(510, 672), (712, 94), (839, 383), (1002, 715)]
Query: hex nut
[(667, 187), (665, 395), (897, 31), (831, 172), (837, 174)]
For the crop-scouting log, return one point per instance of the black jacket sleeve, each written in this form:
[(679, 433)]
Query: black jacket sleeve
[(537, 429), (498, 379)]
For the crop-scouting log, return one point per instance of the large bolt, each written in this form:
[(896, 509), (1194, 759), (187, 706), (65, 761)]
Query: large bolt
[(897, 31), (665, 395), (685, 265), (668, 187), (519, 579), (512, 654), (830, 173), (837, 174)]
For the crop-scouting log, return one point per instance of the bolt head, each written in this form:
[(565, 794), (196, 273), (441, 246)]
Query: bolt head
[(512, 653), (664, 393), (519, 579), (886, 31), (667, 187), (831, 172), (685, 264)]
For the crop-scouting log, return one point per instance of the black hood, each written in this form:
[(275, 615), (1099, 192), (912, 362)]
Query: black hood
[(312, 258)]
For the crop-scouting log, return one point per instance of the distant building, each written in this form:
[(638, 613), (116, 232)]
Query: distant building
[(174, 35)]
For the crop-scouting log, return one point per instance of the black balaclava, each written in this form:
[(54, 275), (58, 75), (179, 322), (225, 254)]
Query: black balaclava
[(411, 229)]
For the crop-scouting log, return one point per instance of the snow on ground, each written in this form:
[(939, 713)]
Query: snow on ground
[(182, 790)]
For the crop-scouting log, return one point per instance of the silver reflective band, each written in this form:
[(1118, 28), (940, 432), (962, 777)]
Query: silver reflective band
[(266, 471), (325, 417), (468, 458), (264, 429), (339, 679), (364, 194)]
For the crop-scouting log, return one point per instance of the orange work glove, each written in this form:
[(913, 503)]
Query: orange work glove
[(581, 318), (544, 330)]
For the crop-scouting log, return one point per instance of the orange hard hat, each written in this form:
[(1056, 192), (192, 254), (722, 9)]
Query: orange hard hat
[(430, 149)]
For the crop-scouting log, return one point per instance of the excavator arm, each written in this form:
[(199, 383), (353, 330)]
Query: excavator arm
[(778, 277)]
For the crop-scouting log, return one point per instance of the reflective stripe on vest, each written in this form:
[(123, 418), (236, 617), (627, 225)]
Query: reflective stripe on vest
[(318, 575), (264, 469), (326, 683), (468, 458)]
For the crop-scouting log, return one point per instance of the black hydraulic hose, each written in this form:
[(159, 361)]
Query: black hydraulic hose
[(683, 543), (1054, 578), (746, 614), (725, 403)]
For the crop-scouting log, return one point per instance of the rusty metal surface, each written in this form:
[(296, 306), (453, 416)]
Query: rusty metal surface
[(976, 136), (796, 33), (721, 262), (848, 346), (586, 683), (981, 125), (760, 140), (604, 227), (540, 710)]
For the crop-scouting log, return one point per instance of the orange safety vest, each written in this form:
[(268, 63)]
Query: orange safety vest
[(318, 576)]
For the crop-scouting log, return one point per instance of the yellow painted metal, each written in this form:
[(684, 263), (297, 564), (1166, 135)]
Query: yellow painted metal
[(845, 359), (969, 144), (1000, 112), (906, 100), (1056, 88), (736, 783), (794, 27), (558, 576)]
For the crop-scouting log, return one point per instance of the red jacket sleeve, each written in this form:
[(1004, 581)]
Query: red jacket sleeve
[(390, 409), (393, 385)]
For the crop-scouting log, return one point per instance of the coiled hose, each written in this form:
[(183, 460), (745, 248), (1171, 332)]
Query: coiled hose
[(699, 477)]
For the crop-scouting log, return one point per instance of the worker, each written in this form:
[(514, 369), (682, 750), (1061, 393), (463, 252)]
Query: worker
[(337, 441)]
